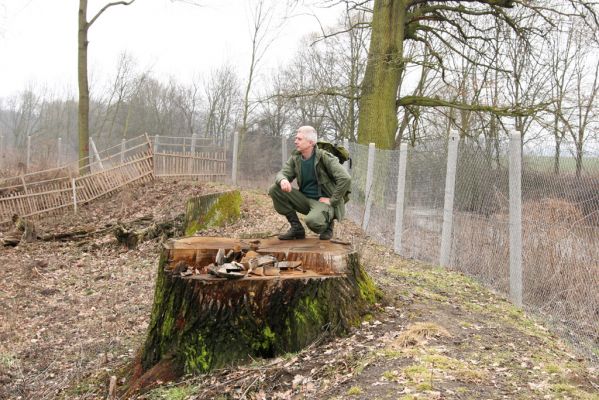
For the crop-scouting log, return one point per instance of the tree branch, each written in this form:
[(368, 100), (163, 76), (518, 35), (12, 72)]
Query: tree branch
[(311, 93), (499, 3), (106, 7), (423, 101)]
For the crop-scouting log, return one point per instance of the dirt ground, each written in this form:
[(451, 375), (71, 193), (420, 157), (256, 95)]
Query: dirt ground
[(74, 312)]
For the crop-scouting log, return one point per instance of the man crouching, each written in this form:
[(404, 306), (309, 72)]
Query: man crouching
[(323, 185)]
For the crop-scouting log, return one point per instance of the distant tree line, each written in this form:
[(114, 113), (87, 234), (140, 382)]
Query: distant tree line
[(482, 68)]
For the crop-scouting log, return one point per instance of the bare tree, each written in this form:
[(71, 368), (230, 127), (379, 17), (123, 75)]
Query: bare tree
[(82, 45), (22, 115), (396, 21), (123, 84), (337, 67), (188, 100), (262, 33), (303, 99), (576, 82), (320, 85), (222, 112), (275, 108)]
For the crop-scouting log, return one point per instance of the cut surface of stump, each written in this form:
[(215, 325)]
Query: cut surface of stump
[(200, 321)]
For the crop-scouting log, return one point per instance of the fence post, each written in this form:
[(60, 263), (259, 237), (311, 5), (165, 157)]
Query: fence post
[(368, 187), (401, 194), (194, 139), (447, 230), (59, 152), (192, 154), (284, 149), (74, 186), (2, 151), (235, 160), (95, 150), (123, 148), (28, 163), (346, 145), (90, 154), (515, 178), (156, 143)]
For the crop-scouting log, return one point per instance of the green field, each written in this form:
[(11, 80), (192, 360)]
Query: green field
[(590, 165)]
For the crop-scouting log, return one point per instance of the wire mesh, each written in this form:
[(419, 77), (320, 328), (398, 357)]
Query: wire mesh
[(382, 194), (560, 224), (423, 215), (480, 241), (260, 157), (560, 213)]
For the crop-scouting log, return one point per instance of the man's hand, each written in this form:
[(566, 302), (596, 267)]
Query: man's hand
[(285, 185), (325, 200)]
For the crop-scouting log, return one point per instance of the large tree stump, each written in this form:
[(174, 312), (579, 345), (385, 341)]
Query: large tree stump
[(200, 322)]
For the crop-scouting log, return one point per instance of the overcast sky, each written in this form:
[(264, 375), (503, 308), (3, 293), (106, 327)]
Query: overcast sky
[(38, 39)]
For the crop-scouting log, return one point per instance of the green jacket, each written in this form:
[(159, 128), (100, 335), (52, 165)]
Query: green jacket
[(333, 180)]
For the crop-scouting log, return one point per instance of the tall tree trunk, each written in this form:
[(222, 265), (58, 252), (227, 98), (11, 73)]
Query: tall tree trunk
[(377, 120), (579, 153), (84, 25), (83, 88), (558, 145)]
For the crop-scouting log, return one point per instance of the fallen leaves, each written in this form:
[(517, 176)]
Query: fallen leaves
[(74, 313)]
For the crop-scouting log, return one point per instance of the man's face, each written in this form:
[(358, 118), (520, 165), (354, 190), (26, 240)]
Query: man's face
[(301, 143)]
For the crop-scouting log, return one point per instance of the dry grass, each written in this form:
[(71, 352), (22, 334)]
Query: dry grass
[(560, 261), (418, 333)]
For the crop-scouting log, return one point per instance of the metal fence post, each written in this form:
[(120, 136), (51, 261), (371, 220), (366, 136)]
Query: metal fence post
[(28, 163), (401, 194), (123, 149), (194, 139), (90, 154), (368, 187), (447, 230), (284, 149), (96, 154), (2, 151), (73, 184), (156, 143), (235, 158), (59, 152), (515, 185), (192, 153), (346, 145)]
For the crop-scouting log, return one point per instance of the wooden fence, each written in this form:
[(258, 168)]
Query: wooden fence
[(31, 197), (191, 157)]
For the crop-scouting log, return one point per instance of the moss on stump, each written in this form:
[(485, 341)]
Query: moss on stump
[(200, 323), (211, 210)]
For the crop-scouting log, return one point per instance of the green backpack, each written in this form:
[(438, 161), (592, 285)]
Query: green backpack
[(337, 150)]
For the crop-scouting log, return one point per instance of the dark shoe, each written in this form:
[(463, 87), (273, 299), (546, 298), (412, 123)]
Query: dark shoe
[(328, 233), (296, 231)]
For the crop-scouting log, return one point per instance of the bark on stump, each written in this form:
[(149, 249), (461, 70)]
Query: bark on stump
[(200, 322)]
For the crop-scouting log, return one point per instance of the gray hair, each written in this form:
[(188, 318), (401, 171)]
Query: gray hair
[(309, 133)]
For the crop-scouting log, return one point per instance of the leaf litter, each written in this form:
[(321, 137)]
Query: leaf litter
[(75, 312)]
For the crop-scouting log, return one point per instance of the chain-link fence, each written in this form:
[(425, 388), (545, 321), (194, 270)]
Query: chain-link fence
[(540, 247), (559, 224), (560, 216), (34, 153)]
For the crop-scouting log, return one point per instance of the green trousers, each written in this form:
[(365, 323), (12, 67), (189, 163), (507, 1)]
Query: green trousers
[(318, 214)]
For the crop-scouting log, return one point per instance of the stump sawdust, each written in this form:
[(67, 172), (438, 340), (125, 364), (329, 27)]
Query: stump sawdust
[(74, 313)]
